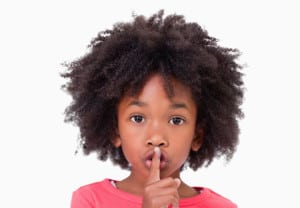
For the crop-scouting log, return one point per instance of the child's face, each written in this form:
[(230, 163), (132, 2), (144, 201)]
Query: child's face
[(153, 119)]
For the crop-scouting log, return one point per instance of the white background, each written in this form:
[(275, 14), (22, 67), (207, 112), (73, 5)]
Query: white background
[(38, 165)]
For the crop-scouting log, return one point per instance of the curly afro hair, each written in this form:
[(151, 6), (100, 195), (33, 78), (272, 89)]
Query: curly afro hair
[(121, 59)]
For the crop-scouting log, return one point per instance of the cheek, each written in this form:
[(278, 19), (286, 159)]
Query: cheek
[(129, 133), (131, 138), (182, 145), (132, 150), (183, 135)]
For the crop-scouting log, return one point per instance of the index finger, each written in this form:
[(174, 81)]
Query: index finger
[(154, 174)]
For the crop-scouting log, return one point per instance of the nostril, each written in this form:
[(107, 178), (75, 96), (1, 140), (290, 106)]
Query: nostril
[(161, 144), (157, 143)]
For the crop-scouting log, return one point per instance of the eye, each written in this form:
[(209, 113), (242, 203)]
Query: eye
[(137, 119), (176, 121)]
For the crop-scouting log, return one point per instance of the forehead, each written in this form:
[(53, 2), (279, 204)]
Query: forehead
[(165, 87)]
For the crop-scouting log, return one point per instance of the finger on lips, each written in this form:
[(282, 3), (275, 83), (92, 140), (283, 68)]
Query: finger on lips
[(167, 187), (154, 169)]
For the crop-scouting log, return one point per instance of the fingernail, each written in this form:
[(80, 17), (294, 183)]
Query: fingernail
[(157, 151)]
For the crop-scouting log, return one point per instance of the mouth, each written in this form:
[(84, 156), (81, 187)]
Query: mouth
[(163, 160)]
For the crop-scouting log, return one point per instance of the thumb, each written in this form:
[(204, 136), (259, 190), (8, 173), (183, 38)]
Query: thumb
[(178, 182)]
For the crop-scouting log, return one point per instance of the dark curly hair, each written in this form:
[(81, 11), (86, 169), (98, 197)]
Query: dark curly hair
[(121, 59)]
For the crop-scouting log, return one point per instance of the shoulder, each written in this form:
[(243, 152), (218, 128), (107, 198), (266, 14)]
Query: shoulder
[(94, 187), (214, 199), (88, 195), (207, 198), (103, 194)]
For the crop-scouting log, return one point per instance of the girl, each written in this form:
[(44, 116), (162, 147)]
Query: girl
[(155, 95)]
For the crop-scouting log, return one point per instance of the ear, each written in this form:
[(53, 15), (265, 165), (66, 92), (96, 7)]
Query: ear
[(117, 140), (198, 140)]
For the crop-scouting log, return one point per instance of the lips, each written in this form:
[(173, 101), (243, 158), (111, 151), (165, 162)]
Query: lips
[(151, 154)]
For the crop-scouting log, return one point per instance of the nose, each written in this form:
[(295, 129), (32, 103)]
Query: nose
[(156, 134), (157, 141)]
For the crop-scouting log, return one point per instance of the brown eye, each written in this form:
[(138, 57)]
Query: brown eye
[(137, 119), (176, 121)]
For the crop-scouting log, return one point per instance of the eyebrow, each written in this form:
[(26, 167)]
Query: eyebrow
[(179, 105), (137, 103), (141, 104)]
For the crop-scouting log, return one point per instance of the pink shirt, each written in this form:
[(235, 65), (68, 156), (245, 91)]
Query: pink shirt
[(104, 195)]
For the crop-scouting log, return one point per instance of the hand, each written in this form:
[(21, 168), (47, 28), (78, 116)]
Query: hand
[(160, 193)]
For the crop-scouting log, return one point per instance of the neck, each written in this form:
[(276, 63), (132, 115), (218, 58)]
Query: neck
[(135, 185), (131, 184)]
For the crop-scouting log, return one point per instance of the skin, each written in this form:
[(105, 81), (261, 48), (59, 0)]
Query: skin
[(152, 124)]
